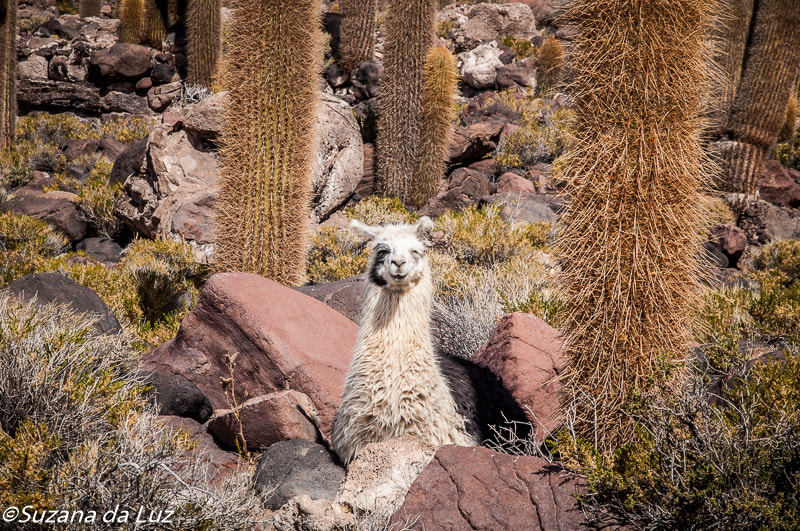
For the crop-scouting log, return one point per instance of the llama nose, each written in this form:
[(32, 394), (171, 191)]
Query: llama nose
[(398, 262)]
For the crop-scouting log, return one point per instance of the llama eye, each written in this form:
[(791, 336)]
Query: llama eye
[(381, 255)]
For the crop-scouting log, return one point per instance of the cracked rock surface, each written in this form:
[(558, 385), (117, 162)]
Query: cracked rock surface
[(478, 488)]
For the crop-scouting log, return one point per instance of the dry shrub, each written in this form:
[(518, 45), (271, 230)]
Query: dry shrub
[(76, 433)]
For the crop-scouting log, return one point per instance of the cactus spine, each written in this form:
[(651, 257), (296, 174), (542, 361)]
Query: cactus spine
[(357, 34), (204, 28), (440, 82), (131, 16), (90, 8), (769, 73), (8, 83), (551, 67), (628, 244), (409, 35), (156, 14), (271, 73)]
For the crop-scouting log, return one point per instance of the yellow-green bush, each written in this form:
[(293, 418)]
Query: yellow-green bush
[(97, 197), (127, 129), (334, 255), (522, 48), (375, 209), (776, 306), (27, 245), (542, 137), (480, 236)]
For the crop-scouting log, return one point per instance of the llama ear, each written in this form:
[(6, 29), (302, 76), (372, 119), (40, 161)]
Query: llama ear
[(367, 231), (424, 229)]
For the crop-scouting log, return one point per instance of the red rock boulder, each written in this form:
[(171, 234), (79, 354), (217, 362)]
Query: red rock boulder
[(525, 352), (477, 488), (778, 187), (281, 340)]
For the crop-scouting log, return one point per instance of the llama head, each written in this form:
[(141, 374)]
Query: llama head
[(397, 259)]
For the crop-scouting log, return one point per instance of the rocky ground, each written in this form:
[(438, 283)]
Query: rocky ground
[(258, 368)]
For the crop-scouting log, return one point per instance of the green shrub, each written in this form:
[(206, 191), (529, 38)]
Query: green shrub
[(542, 137), (127, 129), (788, 153), (27, 245), (335, 254), (53, 128), (701, 462), (776, 306), (480, 236), (376, 209), (522, 48), (97, 197)]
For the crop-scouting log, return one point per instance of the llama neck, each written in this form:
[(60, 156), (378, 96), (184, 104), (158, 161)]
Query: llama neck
[(402, 315)]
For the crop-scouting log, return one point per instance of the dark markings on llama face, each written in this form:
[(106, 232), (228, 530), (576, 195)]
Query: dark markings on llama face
[(381, 252)]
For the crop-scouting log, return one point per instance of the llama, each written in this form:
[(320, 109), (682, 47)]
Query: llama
[(397, 385)]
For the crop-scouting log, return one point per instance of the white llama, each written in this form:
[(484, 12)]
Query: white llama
[(395, 385)]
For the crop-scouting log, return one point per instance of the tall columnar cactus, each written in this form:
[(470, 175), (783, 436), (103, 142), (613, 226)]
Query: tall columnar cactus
[(204, 28), (550, 70), (271, 73), (770, 69), (357, 34), (90, 8), (440, 83), (8, 82), (628, 239), (131, 16), (155, 29), (409, 36), (790, 124)]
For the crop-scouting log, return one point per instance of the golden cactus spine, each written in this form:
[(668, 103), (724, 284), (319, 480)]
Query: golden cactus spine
[(771, 66), (155, 25), (271, 73), (131, 17), (90, 8), (550, 70), (357, 34), (204, 28), (628, 239), (409, 36), (8, 83), (440, 83)]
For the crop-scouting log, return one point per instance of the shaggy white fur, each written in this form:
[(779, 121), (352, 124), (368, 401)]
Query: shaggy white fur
[(395, 385)]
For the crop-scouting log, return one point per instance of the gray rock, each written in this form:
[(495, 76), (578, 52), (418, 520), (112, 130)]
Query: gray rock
[(339, 161), (35, 67), (59, 289), (129, 162), (174, 173), (204, 119), (479, 66), (295, 467), (366, 79), (177, 396), (525, 206), (78, 96), (474, 25), (346, 296), (101, 249), (61, 212), (162, 96), (121, 61)]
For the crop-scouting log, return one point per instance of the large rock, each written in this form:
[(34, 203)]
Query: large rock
[(365, 79), (730, 241), (474, 141), (778, 187), (525, 353), (479, 66), (204, 119), (470, 26), (103, 250), (524, 206), (107, 147), (84, 97), (284, 340), (129, 162), (266, 420), (34, 67), (521, 73), (177, 396), (477, 488), (339, 161), (346, 296), (162, 96), (379, 478), (174, 173), (194, 219), (62, 213), (764, 222), (122, 61), (462, 189), (54, 288), (291, 468)]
